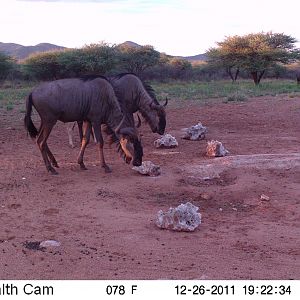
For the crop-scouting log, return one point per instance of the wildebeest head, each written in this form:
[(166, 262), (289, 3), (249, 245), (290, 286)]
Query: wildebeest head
[(153, 112), (135, 95), (130, 144), (161, 115)]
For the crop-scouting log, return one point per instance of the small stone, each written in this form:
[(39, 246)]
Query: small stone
[(182, 218), (49, 243), (166, 141), (264, 197), (215, 149), (148, 168), (195, 133), (206, 196)]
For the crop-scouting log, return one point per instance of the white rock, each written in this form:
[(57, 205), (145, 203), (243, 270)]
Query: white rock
[(49, 243), (148, 168), (166, 141), (182, 218), (215, 149), (195, 133), (264, 197)]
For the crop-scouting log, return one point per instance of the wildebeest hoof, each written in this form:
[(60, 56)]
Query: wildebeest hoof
[(127, 160), (55, 165), (107, 169), (52, 171), (83, 167)]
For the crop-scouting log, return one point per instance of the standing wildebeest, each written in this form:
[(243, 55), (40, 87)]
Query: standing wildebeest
[(135, 96), (88, 100)]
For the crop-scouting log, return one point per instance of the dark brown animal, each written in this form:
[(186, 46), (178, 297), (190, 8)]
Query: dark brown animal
[(136, 96), (88, 100)]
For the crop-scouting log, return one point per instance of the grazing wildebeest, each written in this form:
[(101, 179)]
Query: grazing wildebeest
[(134, 95), (88, 100)]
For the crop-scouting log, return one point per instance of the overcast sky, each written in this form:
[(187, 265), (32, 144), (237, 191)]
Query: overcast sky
[(175, 27)]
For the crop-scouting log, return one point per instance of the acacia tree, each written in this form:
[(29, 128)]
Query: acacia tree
[(254, 52), (179, 67), (94, 59), (91, 59), (43, 66), (138, 59), (222, 58)]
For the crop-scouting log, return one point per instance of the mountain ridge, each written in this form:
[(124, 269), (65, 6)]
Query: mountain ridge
[(21, 52)]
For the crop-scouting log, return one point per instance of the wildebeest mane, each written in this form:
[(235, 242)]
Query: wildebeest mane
[(146, 86), (90, 77)]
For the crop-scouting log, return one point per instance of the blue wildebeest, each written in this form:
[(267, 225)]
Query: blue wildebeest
[(91, 101), (134, 95)]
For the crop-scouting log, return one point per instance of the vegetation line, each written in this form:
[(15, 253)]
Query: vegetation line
[(11, 95)]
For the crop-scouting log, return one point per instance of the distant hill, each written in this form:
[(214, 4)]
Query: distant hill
[(21, 52), (129, 44), (192, 59)]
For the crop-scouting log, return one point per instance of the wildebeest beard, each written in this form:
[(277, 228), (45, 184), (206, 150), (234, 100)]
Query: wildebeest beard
[(113, 139)]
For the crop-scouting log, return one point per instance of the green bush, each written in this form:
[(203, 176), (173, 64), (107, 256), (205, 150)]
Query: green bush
[(7, 64), (91, 59), (43, 66), (236, 97)]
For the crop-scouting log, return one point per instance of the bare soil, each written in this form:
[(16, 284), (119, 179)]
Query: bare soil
[(106, 222)]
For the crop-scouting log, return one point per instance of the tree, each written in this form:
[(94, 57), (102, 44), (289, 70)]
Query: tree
[(99, 58), (43, 66), (180, 67), (7, 64), (138, 59), (94, 59), (294, 71), (224, 58), (254, 52)]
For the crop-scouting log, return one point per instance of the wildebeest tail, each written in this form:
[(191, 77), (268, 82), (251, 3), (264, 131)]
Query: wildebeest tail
[(33, 132)]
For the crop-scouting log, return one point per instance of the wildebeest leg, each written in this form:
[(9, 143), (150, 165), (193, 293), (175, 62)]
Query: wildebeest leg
[(70, 128), (99, 140), (84, 142), (80, 125), (51, 157), (42, 144)]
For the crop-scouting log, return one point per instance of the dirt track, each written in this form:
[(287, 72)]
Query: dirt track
[(105, 222)]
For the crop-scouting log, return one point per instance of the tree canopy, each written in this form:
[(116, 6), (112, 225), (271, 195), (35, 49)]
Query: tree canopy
[(255, 53), (91, 59), (138, 59)]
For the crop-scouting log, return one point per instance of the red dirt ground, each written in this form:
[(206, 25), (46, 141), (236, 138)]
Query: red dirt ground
[(106, 222)]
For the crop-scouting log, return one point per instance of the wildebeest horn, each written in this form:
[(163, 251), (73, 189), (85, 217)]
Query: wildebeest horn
[(139, 123), (166, 102), (117, 130)]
